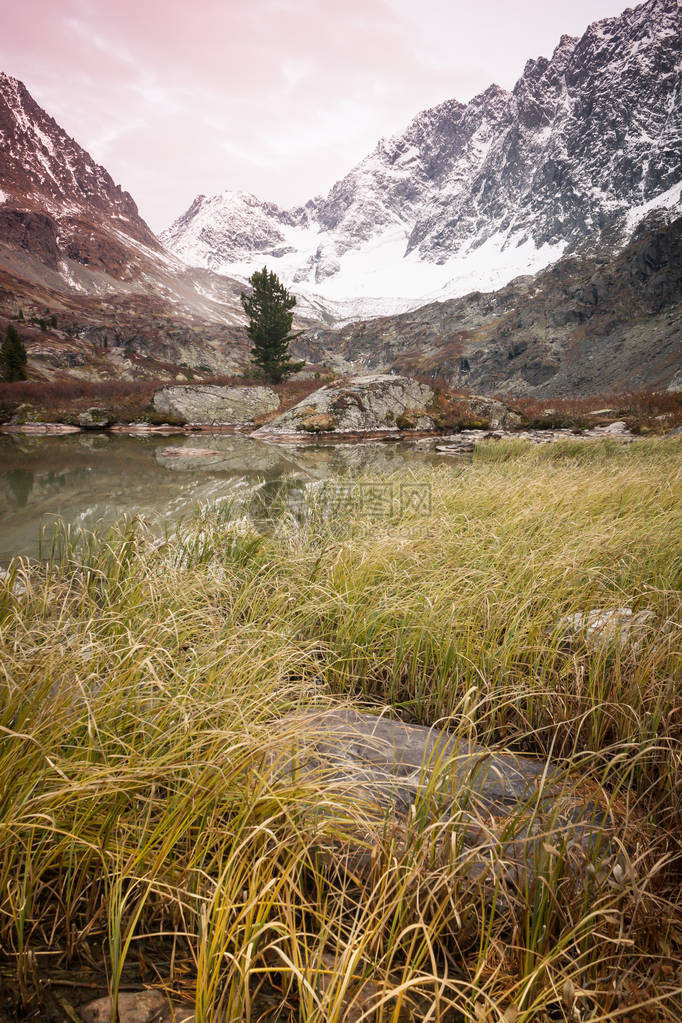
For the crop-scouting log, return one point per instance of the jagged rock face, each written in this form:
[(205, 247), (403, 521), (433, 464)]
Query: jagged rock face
[(226, 226), (472, 195), (31, 231), (583, 326), (583, 138), (407, 172), (42, 168), (73, 245)]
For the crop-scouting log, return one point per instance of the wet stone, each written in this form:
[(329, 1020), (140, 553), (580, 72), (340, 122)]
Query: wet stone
[(494, 802)]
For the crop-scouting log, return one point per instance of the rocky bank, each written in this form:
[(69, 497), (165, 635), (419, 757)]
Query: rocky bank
[(385, 404)]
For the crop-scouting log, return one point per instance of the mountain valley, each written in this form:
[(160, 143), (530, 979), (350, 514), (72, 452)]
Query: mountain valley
[(526, 242)]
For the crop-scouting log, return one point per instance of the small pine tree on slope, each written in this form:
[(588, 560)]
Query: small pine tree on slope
[(12, 356), (270, 317)]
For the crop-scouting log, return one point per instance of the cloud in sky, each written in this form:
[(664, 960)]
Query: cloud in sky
[(275, 97)]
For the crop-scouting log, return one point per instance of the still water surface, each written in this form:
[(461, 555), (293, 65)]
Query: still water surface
[(88, 480)]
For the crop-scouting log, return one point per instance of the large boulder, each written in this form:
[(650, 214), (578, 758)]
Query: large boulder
[(365, 404), (211, 405), (507, 812), (95, 419)]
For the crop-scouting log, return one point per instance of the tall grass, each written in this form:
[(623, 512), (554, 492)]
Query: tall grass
[(141, 686)]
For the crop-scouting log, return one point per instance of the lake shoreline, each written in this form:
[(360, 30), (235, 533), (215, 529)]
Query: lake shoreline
[(613, 429)]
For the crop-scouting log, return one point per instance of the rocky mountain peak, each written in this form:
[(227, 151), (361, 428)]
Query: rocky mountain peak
[(55, 200), (40, 162), (472, 194), (73, 242)]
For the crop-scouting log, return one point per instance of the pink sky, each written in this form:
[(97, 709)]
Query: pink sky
[(276, 97)]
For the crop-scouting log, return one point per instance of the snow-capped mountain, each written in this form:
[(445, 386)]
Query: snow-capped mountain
[(473, 195)]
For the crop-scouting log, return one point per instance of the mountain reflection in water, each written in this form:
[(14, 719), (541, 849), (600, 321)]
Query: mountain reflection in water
[(87, 480)]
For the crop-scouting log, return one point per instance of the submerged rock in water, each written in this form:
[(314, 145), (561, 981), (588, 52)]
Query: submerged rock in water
[(211, 405), (232, 454), (190, 458), (504, 813)]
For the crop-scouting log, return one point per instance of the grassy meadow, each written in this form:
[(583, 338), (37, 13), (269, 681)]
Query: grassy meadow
[(144, 842)]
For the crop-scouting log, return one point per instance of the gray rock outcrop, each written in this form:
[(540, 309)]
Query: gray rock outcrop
[(364, 404), (506, 810), (95, 419), (211, 405)]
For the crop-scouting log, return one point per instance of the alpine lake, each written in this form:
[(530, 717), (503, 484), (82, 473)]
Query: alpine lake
[(90, 480)]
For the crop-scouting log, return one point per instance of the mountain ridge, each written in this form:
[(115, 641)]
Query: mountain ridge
[(74, 248), (44, 171), (471, 195)]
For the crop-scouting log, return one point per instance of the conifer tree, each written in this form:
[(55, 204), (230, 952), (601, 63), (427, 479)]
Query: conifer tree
[(12, 356), (270, 317)]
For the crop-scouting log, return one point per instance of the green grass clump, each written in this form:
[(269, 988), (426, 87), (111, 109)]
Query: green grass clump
[(142, 685)]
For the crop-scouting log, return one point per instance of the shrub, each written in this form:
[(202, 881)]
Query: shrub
[(405, 422), (13, 356)]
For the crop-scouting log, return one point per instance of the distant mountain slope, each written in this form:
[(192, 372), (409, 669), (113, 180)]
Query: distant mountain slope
[(472, 195), (73, 245), (56, 200), (586, 325)]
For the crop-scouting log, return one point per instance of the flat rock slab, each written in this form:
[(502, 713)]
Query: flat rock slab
[(501, 803), (144, 429), (50, 429), (210, 404)]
